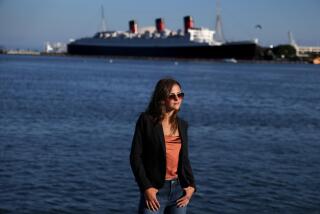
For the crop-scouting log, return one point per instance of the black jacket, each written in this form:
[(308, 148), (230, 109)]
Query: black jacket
[(148, 154)]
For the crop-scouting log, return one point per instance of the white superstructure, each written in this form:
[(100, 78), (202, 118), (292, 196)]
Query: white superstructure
[(194, 37)]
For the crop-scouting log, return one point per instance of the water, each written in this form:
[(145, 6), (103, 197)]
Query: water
[(66, 126)]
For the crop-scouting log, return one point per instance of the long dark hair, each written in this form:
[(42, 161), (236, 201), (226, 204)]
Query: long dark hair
[(157, 108)]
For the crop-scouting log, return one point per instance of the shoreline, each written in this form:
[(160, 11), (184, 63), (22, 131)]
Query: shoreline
[(227, 61)]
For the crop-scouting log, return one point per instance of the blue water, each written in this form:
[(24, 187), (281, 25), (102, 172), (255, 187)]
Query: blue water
[(66, 126)]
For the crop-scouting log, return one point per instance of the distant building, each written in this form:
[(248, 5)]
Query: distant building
[(57, 47), (22, 52), (303, 51)]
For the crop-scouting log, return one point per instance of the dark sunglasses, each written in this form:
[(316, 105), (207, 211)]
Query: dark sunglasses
[(176, 96)]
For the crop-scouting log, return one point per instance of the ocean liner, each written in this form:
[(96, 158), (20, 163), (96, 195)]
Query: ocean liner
[(157, 41)]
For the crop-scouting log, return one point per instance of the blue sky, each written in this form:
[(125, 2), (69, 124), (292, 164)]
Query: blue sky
[(30, 23)]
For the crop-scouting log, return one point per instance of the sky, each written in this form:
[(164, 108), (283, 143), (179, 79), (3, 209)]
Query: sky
[(28, 24)]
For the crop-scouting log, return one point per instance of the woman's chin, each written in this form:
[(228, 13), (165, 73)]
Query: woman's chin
[(175, 108)]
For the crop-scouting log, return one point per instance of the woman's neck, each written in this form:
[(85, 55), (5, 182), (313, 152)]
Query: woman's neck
[(167, 116)]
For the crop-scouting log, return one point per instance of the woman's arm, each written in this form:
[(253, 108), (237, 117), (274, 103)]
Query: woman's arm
[(191, 188), (188, 168), (136, 161)]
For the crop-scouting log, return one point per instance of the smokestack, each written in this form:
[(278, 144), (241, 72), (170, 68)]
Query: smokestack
[(188, 23), (133, 26), (160, 25)]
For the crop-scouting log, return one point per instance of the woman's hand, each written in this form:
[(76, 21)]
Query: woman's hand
[(182, 202), (151, 199)]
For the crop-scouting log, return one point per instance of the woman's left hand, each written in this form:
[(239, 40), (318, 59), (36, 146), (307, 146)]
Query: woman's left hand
[(182, 202)]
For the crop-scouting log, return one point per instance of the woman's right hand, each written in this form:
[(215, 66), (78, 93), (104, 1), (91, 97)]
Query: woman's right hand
[(151, 198)]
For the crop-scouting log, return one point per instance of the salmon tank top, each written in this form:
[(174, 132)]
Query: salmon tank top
[(173, 146)]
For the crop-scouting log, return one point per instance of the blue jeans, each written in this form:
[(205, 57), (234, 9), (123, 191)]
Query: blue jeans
[(167, 197)]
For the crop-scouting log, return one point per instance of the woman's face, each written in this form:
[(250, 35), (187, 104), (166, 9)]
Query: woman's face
[(174, 100)]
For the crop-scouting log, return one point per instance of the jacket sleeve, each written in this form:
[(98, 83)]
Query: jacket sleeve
[(136, 153), (187, 165)]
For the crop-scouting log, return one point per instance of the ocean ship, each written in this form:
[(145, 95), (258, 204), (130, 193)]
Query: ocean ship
[(158, 42)]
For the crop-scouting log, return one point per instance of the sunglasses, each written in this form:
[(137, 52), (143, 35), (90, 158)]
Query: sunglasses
[(176, 96)]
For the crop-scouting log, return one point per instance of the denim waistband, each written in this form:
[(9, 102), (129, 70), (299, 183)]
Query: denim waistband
[(172, 181)]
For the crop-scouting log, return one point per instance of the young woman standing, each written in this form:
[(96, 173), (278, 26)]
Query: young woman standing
[(159, 153)]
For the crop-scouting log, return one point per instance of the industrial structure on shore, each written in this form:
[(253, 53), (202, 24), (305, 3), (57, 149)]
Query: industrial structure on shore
[(303, 51)]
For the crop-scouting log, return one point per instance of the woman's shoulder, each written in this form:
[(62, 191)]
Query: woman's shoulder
[(183, 122), (144, 117)]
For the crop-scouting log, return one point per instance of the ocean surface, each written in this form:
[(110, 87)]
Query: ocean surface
[(66, 126)]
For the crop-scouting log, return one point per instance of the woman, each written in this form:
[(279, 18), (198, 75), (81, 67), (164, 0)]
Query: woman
[(159, 153)]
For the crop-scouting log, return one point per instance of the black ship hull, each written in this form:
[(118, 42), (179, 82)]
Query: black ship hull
[(247, 51)]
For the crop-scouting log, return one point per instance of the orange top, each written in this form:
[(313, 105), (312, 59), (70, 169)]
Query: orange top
[(173, 146)]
